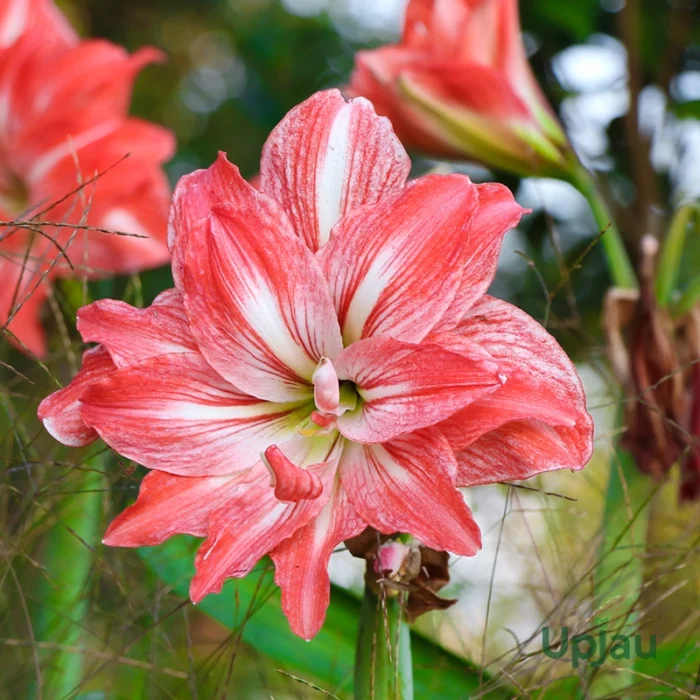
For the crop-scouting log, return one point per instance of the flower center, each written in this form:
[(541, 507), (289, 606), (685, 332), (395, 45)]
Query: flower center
[(332, 398)]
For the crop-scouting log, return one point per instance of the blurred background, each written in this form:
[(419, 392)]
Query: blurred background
[(235, 68)]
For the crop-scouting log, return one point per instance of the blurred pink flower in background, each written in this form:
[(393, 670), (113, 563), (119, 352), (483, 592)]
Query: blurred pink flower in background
[(335, 322), (459, 85), (63, 119)]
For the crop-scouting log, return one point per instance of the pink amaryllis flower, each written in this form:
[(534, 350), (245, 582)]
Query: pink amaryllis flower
[(327, 361), (63, 120), (459, 84)]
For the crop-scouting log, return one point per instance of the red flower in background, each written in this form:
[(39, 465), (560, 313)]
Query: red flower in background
[(335, 322), (64, 119), (459, 84)]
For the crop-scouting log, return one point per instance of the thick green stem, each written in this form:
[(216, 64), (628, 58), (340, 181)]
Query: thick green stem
[(619, 575), (619, 264), (383, 666), (68, 556)]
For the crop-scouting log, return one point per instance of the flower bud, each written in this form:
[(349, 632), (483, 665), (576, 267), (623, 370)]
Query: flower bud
[(459, 85)]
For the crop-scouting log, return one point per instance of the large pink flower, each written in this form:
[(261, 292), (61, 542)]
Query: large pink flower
[(459, 84), (64, 119), (333, 321)]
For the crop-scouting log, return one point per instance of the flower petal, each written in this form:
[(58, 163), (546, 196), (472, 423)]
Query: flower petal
[(471, 87), (169, 505), (406, 485), (130, 197), (436, 25), (259, 307), (522, 449), (22, 295), (195, 196), (254, 522), (40, 17), (542, 381), (404, 387), (492, 126), (93, 81), (176, 414), (60, 412), (394, 269), (85, 99), (301, 563), (132, 335), (328, 157), (498, 213), (375, 77), (511, 58)]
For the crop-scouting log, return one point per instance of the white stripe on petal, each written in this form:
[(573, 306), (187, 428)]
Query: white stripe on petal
[(333, 176)]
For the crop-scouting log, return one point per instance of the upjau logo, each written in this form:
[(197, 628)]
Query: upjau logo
[(595, 649)]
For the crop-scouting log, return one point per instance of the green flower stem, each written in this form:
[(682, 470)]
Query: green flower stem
[(619, 265), (328, 658), (60, 616), (619, 574), (383, 666)]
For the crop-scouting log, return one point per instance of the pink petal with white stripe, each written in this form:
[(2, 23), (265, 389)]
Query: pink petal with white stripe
[(542, 381), (328, 157), (407, 485), (169, 505), (394, 269), (60, 412), (254, 522), (497, 214), (259, 307), (301, 563), (176, 414), (195, 196), (522, 449), (132, 335), (404, 387)]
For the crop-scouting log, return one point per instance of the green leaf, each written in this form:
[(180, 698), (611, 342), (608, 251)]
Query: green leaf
[(577, 19), (686, 110), (672, 255), (676, 664), (252, 606), (689, 298)]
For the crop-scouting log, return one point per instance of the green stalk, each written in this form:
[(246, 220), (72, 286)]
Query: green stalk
[(619, 265), (61, 614), (619, 574), (383, 666)]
